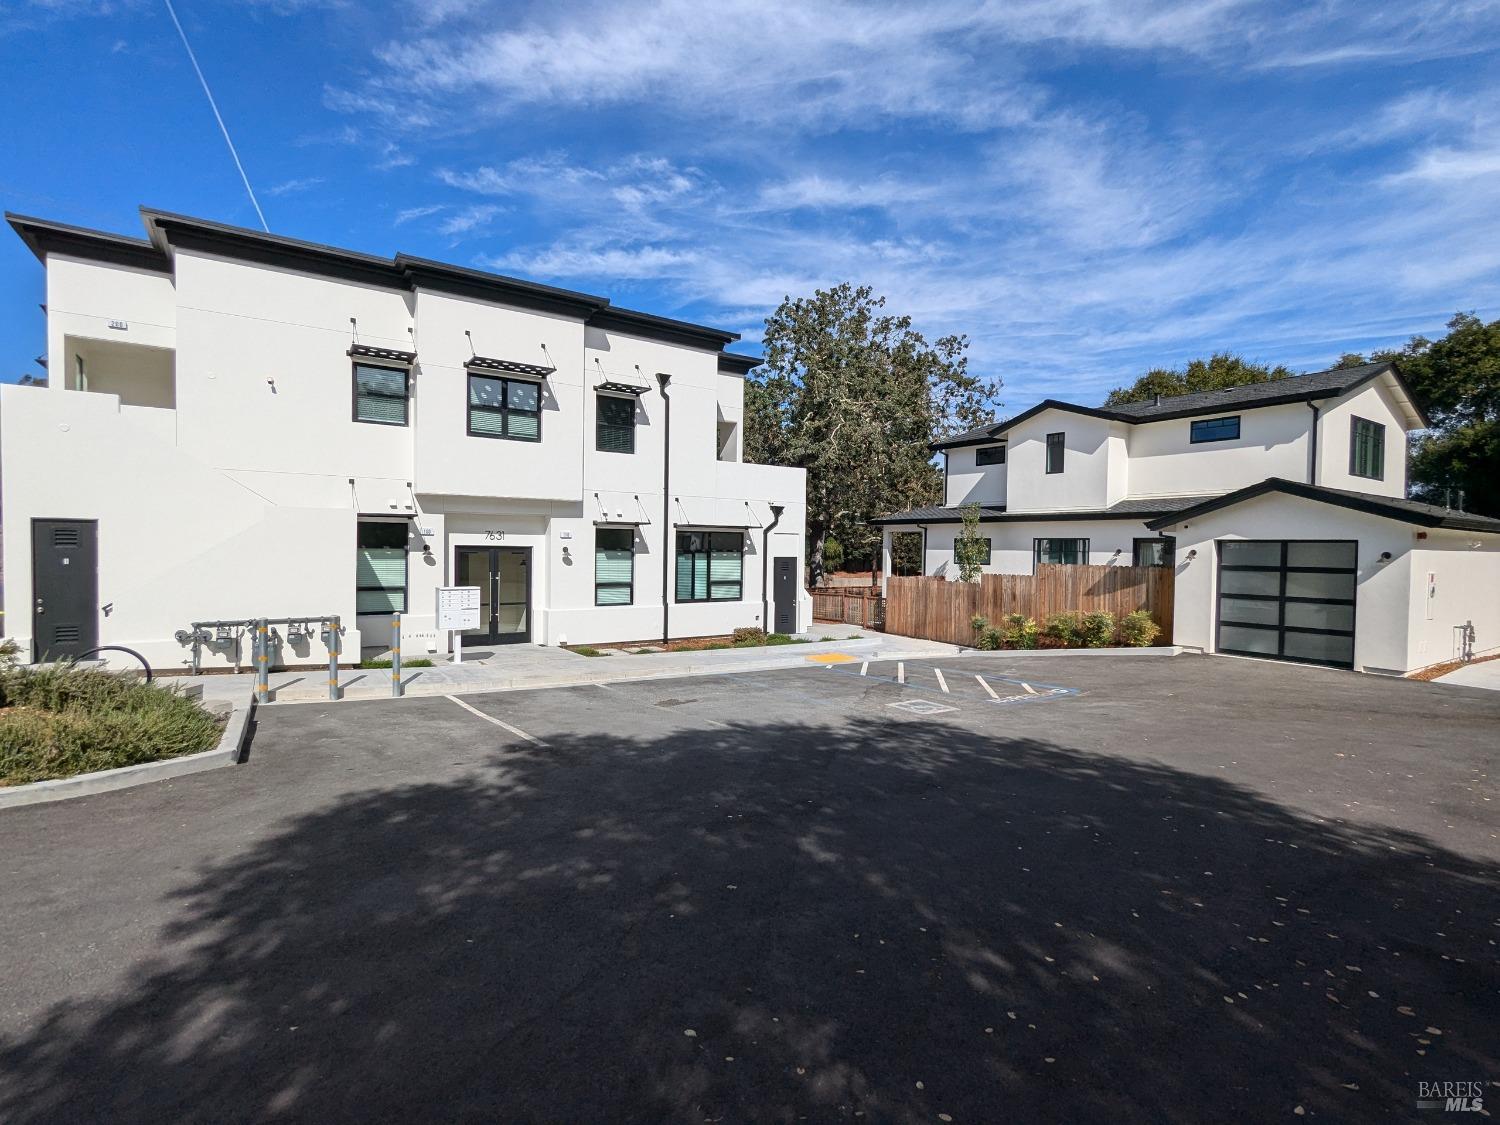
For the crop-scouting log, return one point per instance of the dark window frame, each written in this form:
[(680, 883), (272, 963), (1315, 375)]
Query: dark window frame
[(1056, 442), (989, 449), (504, 411), (708, 552), (629, 532), (600, 425), (405, 526), (1283, 599), (1036, 550), (1208, 434), (1169, 550), (405, 393), (1375, 451), (989, 550)]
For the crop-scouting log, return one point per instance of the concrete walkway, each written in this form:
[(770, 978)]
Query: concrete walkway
[(534, 666), (1485, 674)]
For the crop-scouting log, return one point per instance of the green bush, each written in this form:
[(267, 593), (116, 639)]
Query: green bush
[(63, 720), (833, 555), (786, 639), (587, 650), (1020, 632), (990, 639), (750, 635), (979, 623), (1138, 630), (1097, 630), (1065, 627), (385, 662)]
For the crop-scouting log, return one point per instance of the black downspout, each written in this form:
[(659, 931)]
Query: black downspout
[(666, 504), (765, 567), (1312, 472)]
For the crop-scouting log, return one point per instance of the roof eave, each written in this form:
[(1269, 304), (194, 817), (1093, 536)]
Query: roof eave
[(661, 328), (43, 237)]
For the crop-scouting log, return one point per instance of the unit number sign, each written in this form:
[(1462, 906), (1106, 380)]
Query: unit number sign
[(458, 607)]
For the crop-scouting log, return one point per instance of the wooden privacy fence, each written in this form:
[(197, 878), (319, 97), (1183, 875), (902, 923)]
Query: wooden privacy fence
[(848, 605), (939, 610)]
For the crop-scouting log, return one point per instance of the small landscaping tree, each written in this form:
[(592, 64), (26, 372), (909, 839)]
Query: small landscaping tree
[(968, 548)]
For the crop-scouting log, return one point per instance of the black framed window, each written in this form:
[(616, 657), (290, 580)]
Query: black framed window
[(614, 424), (1215, 429), (710, 566), (505, 408), (989, 455), (614, 565), (1066, 552), (1366, 449), (380, 566), (380, 394), (982, 551), (1055, 452), (1161, 551)]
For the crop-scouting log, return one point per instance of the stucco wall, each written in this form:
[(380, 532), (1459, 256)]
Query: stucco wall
[(970, 483), (1084, 481), (1373, 402), (1272, 443), (1011, 546), (1464, 586)]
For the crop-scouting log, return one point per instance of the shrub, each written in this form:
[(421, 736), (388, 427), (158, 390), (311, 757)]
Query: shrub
[(990, 639), (979, 623), (1138, 630), (1097, 630), (1065, 628), (784, 639), (63, 720), (1020, 632), (385, 662), (586, 650), (750, 635), (833, 555)]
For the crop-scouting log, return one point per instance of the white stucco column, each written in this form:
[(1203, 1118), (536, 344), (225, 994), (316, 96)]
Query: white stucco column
[(885, 558)]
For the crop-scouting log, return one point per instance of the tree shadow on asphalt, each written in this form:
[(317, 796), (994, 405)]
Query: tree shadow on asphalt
[(786, 922)]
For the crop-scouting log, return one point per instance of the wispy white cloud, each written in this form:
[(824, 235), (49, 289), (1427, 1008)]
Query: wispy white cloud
[(292, 187), (410, 214), (470, 219)]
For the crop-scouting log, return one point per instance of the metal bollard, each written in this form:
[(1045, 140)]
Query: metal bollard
[(262, 661), (396, 689), (331, 639)]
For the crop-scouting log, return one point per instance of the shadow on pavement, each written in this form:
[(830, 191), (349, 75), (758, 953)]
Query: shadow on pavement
[(784, 921)]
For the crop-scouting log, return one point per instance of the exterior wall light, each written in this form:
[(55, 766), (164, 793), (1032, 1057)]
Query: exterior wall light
[(1193, 554), (1385, 556)]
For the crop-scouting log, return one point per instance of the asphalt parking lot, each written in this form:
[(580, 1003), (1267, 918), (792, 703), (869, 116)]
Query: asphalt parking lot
[(1150, 889)]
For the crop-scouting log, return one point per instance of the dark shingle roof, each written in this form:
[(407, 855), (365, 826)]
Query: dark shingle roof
[(1141, 508), (1391, 507), (1298, 388)]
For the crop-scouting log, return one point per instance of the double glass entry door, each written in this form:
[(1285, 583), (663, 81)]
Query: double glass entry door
[(503, 575)]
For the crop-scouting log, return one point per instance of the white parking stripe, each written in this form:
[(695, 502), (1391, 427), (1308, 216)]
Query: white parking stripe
[(1029, 689), (942, 683), (517, 731), (900, 673), (865, 667), (986, 687)]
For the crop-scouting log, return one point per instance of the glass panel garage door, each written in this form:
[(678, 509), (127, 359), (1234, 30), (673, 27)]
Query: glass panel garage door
[(1288, 599)]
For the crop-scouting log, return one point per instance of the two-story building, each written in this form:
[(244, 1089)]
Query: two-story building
[(240, 425), (1281, 506)]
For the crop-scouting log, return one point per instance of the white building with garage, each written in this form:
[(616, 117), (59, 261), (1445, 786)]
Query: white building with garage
[(1280, 506), (239, 425)]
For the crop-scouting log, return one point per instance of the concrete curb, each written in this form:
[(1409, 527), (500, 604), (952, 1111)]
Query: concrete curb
[(1155, 650), (229, 750)]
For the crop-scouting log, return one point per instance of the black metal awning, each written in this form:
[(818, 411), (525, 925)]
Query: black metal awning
[(508, 366), (620, 388), (390, 355)]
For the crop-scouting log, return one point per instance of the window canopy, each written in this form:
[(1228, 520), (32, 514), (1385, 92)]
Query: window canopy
[(389, 355), (508, 366)]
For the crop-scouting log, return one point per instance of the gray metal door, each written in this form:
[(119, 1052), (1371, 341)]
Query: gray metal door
[(784, 591), (64, 587)]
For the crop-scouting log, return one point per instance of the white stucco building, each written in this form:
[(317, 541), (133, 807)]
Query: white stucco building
[(241, 425), (1281, 506)]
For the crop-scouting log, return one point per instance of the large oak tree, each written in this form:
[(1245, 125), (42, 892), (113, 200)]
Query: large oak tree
[(854, 395), (1216, 373)]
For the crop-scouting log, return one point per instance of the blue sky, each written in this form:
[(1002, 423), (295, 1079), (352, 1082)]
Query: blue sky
[(1085, 188)]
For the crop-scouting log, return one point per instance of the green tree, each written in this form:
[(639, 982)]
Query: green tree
[(968, 548), (1457, 381), (854, 395), (1350, 359), (1218, 371)]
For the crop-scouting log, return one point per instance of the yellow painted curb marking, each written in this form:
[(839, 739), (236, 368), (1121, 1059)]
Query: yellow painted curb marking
[(830, 658)]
